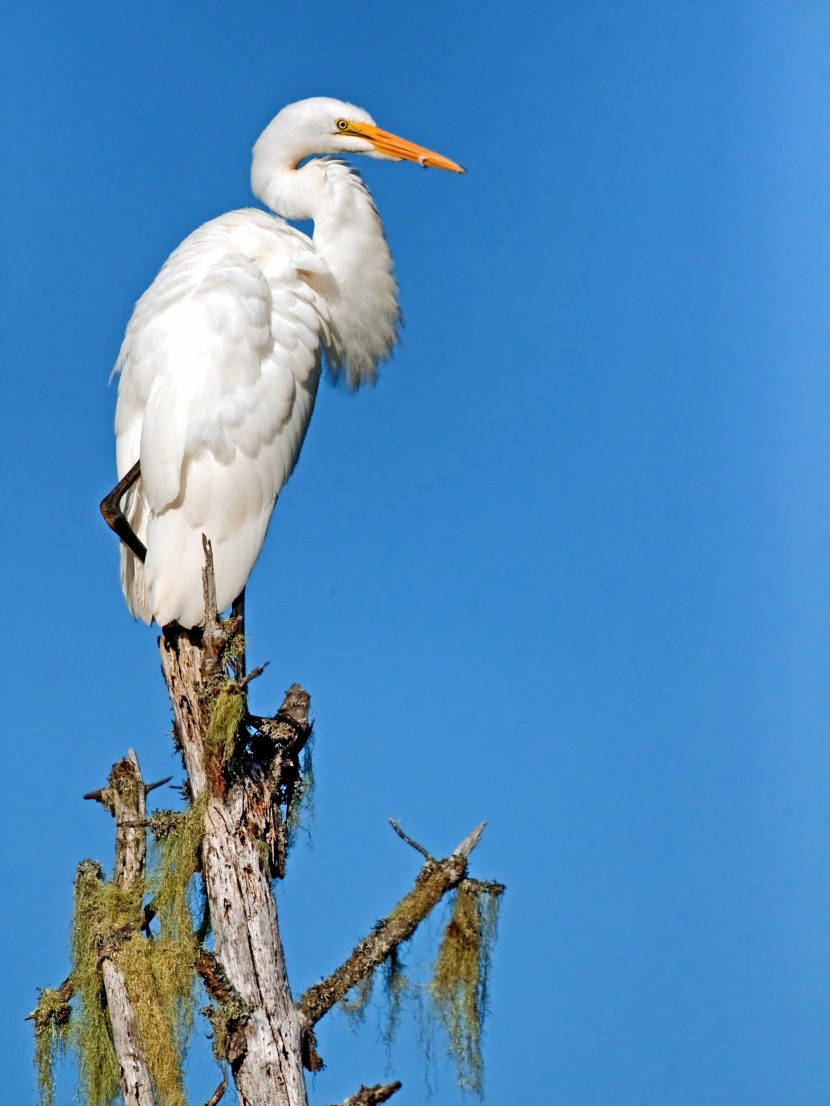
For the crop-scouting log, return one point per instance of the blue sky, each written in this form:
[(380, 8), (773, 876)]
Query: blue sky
[(566, 568)]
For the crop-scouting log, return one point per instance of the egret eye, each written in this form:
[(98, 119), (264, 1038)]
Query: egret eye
[(342, 125)]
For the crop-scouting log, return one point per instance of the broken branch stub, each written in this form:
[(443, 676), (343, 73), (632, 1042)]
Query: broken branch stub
[(372, 1096)]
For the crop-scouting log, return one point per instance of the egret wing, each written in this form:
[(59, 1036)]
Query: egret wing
[(219, 372)]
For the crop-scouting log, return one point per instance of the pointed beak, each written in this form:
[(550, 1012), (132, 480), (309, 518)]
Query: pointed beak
[(401, 149)]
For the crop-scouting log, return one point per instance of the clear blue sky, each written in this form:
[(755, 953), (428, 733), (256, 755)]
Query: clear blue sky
[(566, 568)]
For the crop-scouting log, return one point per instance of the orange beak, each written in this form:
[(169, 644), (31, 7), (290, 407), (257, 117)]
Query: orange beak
[(401, 149)]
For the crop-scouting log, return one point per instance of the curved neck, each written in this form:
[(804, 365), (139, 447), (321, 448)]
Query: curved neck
[(348, 235)]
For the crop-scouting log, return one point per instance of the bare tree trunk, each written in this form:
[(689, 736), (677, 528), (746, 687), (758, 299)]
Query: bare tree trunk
[(268, 1067)]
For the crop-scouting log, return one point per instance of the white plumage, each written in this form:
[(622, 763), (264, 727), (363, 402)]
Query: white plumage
[(221, 360)]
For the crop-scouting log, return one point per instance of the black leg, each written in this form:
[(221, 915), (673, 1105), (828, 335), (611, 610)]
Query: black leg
[(115, 518), (238, 611)]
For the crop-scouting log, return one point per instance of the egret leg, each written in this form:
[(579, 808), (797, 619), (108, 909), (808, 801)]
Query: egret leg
[(115, 517), (238, 611)]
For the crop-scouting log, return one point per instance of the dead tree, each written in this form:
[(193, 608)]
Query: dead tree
[(128, 1005)]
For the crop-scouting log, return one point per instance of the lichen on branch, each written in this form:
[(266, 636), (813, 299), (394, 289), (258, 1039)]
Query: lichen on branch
[(435, 879)]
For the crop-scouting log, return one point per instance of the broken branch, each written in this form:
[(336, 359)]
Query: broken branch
[(435, 879), (148, 787), (216, 982)]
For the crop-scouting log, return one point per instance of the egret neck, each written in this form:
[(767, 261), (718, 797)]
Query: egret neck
[(349, 238)]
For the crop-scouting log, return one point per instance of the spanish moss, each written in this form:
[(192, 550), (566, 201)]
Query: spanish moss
[(51, 1019), (101, 909), (459, 981)]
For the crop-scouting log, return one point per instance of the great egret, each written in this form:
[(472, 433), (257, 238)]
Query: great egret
[(222, 357)]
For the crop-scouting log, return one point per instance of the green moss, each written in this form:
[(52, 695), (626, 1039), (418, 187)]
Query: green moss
[(420, 900), (264, 854), (126, 779), (51, 1021), (459, 980), (226, 717), (456, 996), (234, 649), (159, 973)]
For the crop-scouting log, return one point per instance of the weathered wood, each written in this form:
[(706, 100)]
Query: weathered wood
[(134, 1077), (435, 879), (125, 796), (243, 911)]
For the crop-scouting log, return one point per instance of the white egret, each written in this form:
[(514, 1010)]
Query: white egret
[(221, 359)]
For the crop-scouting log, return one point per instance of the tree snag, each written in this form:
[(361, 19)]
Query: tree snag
[(137, 950)]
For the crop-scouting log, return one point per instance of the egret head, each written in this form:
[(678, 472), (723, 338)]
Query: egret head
[(322, 125)]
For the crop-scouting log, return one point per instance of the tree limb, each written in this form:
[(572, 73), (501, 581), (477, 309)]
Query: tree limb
[(213, 637), (435, 879)]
